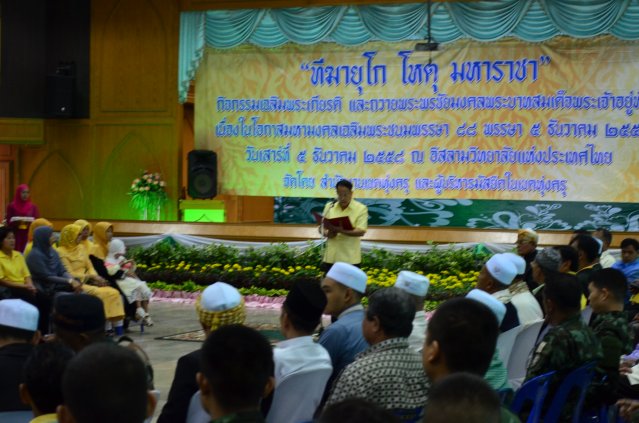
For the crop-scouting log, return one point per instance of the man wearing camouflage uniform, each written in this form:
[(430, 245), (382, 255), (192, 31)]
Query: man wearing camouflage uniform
[(569, 343)]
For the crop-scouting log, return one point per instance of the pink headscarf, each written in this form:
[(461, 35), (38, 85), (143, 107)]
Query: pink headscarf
[(22, 208)]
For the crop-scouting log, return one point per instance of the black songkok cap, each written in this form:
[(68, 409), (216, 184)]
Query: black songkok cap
[(307, 300), (79, 313)]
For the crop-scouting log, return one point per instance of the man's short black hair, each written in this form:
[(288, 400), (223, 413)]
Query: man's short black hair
[(9, 332), (395, 310), (237, 361), (356, 410), (43, 372), (613, 280), (4, 232), (299, 323), (587, 245), (564, 291), (344, 183), (605, 234), (462, 397), (568, 253), (106, 383), (630, 242), (466, 331)]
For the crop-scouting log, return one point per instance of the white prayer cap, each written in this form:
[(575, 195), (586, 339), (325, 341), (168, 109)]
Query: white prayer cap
[(348, 275), (413, 283), (19, 314), (489, 301), (501, 268), (518, 261), (220, 296)]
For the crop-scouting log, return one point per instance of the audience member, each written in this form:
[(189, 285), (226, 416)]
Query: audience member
[(18, 334), (527, 240), (344, 286), (123, 270), (629, 263), (356, 410), (102, 234), (546, 263), (462, 397), (20, 213), (569, 343), (42, 387), (15, 279), (495, 277), (461, 337), (220, 304), (105, 383), (389, 373), (528, 309), (576, 233), (85, 232), (237, 372), (78, 321), (496, 375), (588, 254), (569, 259), (34, 225), (606, 259), (417, 286), (610, 325)]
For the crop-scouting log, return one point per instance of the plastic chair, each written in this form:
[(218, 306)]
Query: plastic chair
[(16, 416), (297, 395), (534, 391), (156, 394), (518, 360), (586, 314), (197, 413), (579, 380), (505, 343)]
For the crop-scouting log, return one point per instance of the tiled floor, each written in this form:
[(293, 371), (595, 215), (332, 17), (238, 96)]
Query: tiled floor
[(172, 319)]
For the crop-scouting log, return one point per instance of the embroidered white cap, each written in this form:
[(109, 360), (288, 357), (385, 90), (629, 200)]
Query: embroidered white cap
[(501, 268), (413, 283), (220, 296), (518, 261), (489, 301), (348, 275), (19, 314)]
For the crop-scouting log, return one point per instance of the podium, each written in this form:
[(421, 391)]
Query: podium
[(202, 211)]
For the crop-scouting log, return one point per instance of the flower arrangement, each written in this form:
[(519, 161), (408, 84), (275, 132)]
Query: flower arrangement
[(147, 193)]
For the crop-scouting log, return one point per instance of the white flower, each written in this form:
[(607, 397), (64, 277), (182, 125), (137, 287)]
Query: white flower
[(162, 183)]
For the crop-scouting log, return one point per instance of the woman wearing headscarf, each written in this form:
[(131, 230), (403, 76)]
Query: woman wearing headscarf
[(76, 261), (123, 270), (20, 213), (41, 221), (85, 232), (102, 234)]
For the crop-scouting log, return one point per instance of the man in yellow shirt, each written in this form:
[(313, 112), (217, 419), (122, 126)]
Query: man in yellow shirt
[(343, 244)]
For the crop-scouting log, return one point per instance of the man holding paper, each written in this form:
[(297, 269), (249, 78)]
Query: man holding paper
[(343, 223)]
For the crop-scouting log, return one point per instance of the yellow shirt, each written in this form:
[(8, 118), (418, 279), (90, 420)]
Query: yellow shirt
[(46, 418), (13, 268), (343, 247)]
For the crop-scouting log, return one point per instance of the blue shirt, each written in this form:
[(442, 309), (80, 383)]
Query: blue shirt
[(630, 270), (343, 339)]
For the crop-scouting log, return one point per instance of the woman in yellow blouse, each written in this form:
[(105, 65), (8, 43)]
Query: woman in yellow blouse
[(102, 234), (35, 224), (76, 260), (85, 232)]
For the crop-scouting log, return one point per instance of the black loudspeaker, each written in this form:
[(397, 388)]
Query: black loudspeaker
[(202, 178), (59, 98)]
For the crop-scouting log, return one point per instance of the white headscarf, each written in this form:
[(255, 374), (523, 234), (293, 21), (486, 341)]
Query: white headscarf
[(116, 247)]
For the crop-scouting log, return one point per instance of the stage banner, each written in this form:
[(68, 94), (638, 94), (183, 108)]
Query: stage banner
[(487, 121)]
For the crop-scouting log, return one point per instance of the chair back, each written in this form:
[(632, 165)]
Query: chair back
[(533, 391), (518, 360), (156, 394), (16, 416), (586, 314), (577, 380), (505, 343), (197, 413), (297, 395)]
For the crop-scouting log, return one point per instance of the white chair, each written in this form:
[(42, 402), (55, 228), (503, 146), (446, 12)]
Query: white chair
[(520, 353), (16, 416), (505, 343), (298, 395), (156, 394), (586, 314), (197, 413)]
